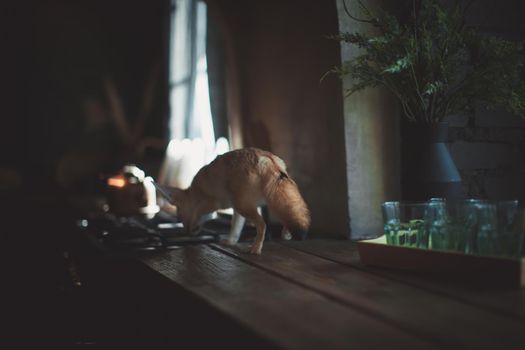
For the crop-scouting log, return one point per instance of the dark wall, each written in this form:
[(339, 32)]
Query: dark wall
[(280, 51), (59, 56)]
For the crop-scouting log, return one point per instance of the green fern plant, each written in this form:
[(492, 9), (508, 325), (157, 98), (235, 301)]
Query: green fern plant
[(435, 64)]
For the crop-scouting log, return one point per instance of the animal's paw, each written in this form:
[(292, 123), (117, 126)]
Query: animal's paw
[(194, 231), (286, 235), (227, 242), (256, 249)]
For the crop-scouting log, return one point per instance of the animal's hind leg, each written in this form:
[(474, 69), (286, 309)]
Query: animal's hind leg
[(236, 228), (260, 226), (253, 215)]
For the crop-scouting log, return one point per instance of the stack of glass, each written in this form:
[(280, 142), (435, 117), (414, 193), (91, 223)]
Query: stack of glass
[(470, 226)]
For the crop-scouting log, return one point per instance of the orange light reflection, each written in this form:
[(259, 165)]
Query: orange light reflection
[(117, 181)]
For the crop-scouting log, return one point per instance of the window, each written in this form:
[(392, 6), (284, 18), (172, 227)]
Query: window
[(193, 141)]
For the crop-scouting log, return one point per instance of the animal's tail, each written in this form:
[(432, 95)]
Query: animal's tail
[(285, 201)]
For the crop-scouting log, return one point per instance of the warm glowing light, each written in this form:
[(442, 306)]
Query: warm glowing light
[(117, 181)]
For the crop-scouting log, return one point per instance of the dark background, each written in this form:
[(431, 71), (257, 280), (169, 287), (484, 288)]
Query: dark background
[(59, 55), (55, 58)]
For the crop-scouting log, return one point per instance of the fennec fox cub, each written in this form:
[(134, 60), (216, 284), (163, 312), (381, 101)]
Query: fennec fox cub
[(244, 179)]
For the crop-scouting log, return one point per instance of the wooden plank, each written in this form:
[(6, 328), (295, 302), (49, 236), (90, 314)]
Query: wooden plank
[(284, 313), (505, 301), (437, 318)]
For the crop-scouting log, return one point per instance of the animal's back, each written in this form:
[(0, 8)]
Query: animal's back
[(237, 170)]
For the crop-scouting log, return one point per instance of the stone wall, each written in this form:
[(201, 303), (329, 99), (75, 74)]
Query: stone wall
[(489, 147), (489, 152)]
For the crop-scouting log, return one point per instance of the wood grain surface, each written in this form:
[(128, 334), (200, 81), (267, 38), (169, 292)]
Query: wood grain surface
[(283, 312), (316, 294)]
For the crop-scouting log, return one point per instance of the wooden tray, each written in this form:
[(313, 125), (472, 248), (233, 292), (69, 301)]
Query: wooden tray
[(484, 270)]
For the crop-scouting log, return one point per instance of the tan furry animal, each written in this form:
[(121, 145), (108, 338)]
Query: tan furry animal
[(244, 179)]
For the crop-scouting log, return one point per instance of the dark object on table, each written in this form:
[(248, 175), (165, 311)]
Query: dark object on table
[(109, 232)]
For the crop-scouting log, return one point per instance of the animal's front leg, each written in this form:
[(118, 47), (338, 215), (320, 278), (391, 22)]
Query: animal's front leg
[(236, 228)]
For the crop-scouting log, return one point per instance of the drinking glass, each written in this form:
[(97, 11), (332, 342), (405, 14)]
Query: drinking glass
[(403, 223), (451, 225), (499, 230), (438, 225), (463, 223)]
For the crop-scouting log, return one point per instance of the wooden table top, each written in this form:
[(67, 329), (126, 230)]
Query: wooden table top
[(315, 294)]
